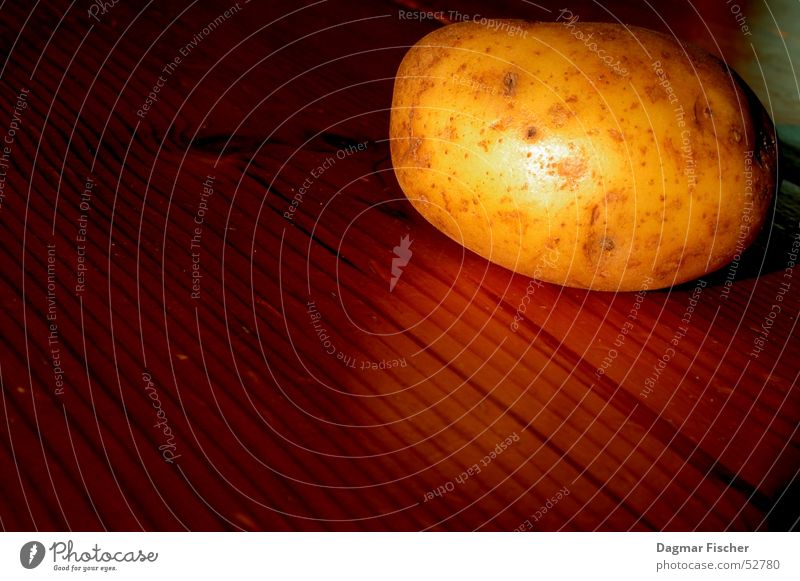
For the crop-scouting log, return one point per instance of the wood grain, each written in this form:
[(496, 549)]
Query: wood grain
[(269, 430)]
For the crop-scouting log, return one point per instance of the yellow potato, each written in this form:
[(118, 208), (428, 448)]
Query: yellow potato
[(590, 155)]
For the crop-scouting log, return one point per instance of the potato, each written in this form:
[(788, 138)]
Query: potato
[(590, 155)]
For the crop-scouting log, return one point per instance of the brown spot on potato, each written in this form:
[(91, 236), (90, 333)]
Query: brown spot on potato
[(426, 59), (654, 93), (672, 150), (668, 269), (701, 112), (510, 84), (413, 148), (501, 124), (446, 204), (510, 217), (653, 242), (531, 132), (572, 169), (595, 214), (598, 246), (615, 135), (559, 114)]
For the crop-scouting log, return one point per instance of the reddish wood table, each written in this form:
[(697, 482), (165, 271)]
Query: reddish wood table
[(178, 354)]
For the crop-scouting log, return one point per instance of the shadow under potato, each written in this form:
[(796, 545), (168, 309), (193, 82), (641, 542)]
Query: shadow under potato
[(784, 514)]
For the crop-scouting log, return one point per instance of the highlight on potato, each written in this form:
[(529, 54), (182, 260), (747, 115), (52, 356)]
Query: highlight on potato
[(591, 155)]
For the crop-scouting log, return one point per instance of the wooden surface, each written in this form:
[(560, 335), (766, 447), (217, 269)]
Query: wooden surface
[(262, 428)]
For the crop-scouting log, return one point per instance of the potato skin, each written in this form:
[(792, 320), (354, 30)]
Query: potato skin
[(642, 166)]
